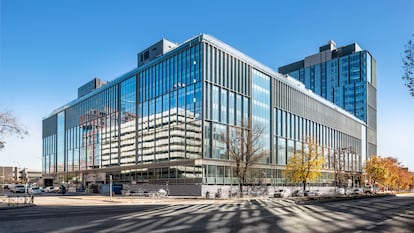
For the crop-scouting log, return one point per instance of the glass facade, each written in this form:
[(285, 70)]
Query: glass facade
[(292, 130), (342, 81), (346, 76), (261, 105), (61, 142), (165, 120)]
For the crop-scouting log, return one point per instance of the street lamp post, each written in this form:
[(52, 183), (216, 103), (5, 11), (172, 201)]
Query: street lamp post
[(110, 187), (2, 183)]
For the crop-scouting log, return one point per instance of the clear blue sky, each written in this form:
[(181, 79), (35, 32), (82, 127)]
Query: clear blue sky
[(50, 48)]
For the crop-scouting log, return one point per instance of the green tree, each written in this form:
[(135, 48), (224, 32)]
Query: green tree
[(408, 65), (305, 165), (9, 125)]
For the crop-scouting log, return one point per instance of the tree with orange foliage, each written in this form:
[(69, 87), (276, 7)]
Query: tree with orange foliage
[(406, 180), (387, 172), (376, 170), (305, 165)]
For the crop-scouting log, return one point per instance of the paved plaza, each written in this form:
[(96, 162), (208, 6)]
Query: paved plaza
[(88, 213)]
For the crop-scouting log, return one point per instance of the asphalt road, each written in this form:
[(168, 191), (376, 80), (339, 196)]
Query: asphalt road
[(389, 214)]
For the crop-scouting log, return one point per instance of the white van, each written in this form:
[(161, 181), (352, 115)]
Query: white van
[(18, 188)]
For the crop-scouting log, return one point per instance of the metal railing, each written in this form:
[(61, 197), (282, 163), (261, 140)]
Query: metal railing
[(16, 201)]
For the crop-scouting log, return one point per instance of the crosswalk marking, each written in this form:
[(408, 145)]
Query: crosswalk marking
[(229, 215), (216, 217), (195, 219), (184, 219), (151, 226), (287, 214), (172, 229)]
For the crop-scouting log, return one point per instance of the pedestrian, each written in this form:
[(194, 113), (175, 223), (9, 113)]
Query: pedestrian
[(62, 189)]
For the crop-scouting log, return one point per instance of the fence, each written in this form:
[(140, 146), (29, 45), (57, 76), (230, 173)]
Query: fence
[(16, 201)]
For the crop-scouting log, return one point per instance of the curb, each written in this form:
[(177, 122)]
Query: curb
[(16, 207), (335, 199)]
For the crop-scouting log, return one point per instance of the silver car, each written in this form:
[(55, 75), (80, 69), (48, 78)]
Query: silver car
[(18, 188), (34, 190)]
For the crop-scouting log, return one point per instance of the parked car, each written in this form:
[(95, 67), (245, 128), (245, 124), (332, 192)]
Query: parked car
[(34, 190), (282, 193), (318, 193), (309, 193), (349, 192), (18, 188), (49, 189), (297, 193), (340, 191), (358, 191), (368, 189)]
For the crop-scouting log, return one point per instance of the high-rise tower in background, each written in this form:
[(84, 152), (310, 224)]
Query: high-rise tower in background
[(346, 76)]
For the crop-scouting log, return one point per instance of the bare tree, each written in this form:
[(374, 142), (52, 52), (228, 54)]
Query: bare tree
[(9, 126), (245, 148), (338, 160), (408, 65), (342, 163)]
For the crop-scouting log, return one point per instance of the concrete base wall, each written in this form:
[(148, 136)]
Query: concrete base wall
[(213, 191), (227, 191), (173, 190)]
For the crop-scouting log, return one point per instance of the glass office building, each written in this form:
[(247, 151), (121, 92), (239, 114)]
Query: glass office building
[(346, 76), (162, 123)]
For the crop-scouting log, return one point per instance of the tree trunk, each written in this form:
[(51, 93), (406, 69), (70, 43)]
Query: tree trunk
[(241, 183), (240, 189)]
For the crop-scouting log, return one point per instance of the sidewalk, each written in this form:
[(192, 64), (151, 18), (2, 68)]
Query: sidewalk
[(87, 199), (91, 199)]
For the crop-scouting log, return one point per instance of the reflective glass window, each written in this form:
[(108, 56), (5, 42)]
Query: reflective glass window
[(281, 151)]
